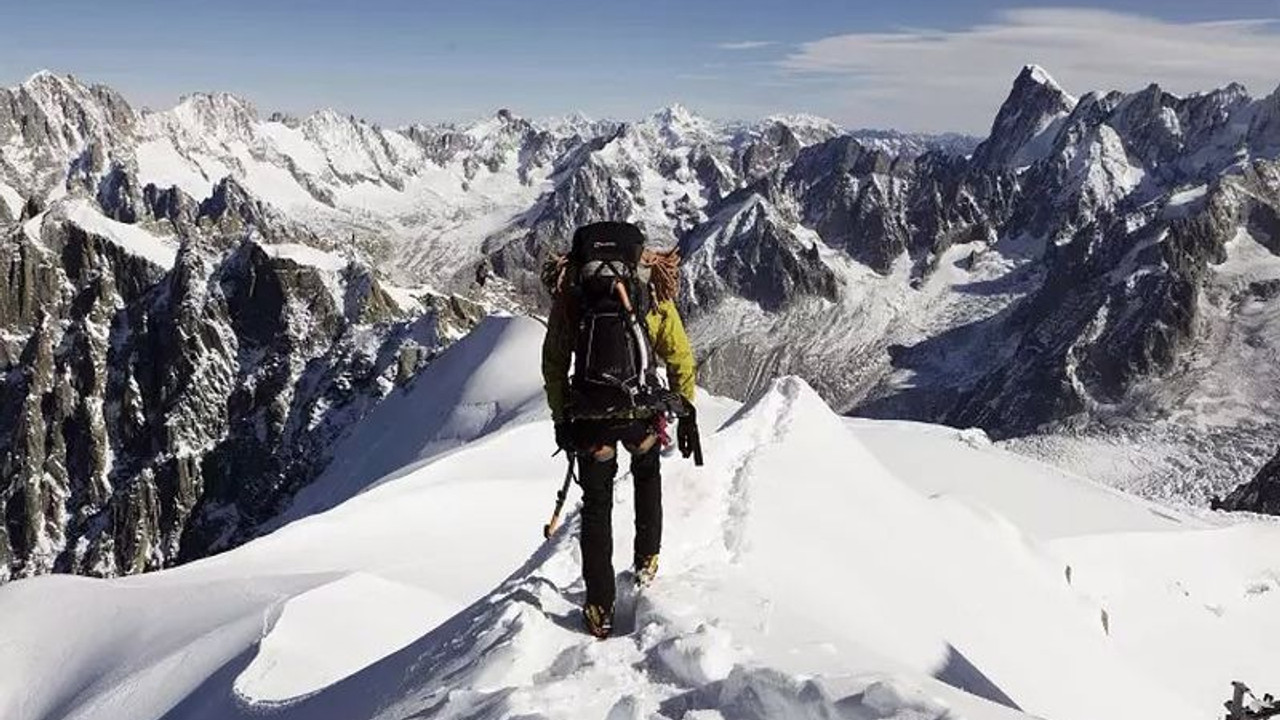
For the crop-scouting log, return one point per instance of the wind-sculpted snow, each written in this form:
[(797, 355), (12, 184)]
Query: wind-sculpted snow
[(813, 568), (483, 383)]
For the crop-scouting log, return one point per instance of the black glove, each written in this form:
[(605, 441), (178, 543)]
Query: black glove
[(687, 439), (564, 437)]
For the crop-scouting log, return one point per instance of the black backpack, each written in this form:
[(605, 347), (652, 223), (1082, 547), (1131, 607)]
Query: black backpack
[(614, 372)]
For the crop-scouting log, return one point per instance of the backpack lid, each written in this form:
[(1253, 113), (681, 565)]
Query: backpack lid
[(607, 241)]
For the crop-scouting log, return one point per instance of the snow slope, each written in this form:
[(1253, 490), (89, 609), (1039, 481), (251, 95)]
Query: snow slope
[(161, 251), (815, 567), (473, 391)]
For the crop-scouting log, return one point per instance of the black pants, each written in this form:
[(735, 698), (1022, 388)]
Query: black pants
[(597, 467)]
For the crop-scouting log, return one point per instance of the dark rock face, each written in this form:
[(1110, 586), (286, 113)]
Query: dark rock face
[(56, 118), (154, 415), (853, 198), (759, 259), (1027, 116), (232, 210), (170, 205), (776, 146), (120, 197), (1260, 495)]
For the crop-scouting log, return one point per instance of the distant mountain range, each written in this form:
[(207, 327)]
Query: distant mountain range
[(200, 300)]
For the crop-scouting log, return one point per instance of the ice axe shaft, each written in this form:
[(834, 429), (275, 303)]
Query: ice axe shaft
[(550, 528)]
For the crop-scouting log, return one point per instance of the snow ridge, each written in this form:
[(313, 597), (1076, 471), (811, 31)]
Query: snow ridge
[(943, 594)]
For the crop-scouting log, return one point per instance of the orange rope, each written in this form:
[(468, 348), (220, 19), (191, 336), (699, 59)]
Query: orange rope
[(664, 273)]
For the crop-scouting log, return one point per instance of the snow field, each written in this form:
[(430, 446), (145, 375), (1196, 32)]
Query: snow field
[(162, 251), (815, 567)]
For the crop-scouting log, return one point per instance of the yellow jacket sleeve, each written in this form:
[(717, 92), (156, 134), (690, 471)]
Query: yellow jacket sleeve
[(666, 332), (557, 350)]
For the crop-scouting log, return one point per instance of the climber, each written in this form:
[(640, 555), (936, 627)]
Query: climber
[(613, 310)]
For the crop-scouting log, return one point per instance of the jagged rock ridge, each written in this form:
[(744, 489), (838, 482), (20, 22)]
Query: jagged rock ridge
[(176, 369)]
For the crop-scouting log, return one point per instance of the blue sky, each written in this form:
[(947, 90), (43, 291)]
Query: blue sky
[(919, 65)]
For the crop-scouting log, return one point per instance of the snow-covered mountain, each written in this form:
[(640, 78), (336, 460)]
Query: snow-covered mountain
[(1096, 281), (198, 298), (816, 567)]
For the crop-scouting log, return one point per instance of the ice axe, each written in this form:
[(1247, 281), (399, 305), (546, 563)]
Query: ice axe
[(1238, 709), (551, 527)]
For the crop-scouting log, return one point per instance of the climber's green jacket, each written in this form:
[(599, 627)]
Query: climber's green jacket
[(666, 334)]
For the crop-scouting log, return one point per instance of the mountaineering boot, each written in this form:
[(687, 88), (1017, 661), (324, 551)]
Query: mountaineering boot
[(599, 620), (646, 568)]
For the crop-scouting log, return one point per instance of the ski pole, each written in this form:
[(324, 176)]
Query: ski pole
[(551, 527)]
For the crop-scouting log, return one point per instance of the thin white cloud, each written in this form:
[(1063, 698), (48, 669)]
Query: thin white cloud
[(923, 79), (746, 45)]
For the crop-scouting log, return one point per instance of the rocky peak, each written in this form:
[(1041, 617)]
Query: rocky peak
[(231, 210), (1149, 122), (580, 125), (331, 129), (775, 146), (751, 251), (508, 140), (677, 126), (854, 197), (808, 129), (441, 143), (58, 119), (675, 115), (63, 94), (119, 196), (171, 205), (288, 120), (222, 117), (841, 155), (1039, 76), (1213, 120), (1026, 125), (1264, 128)]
